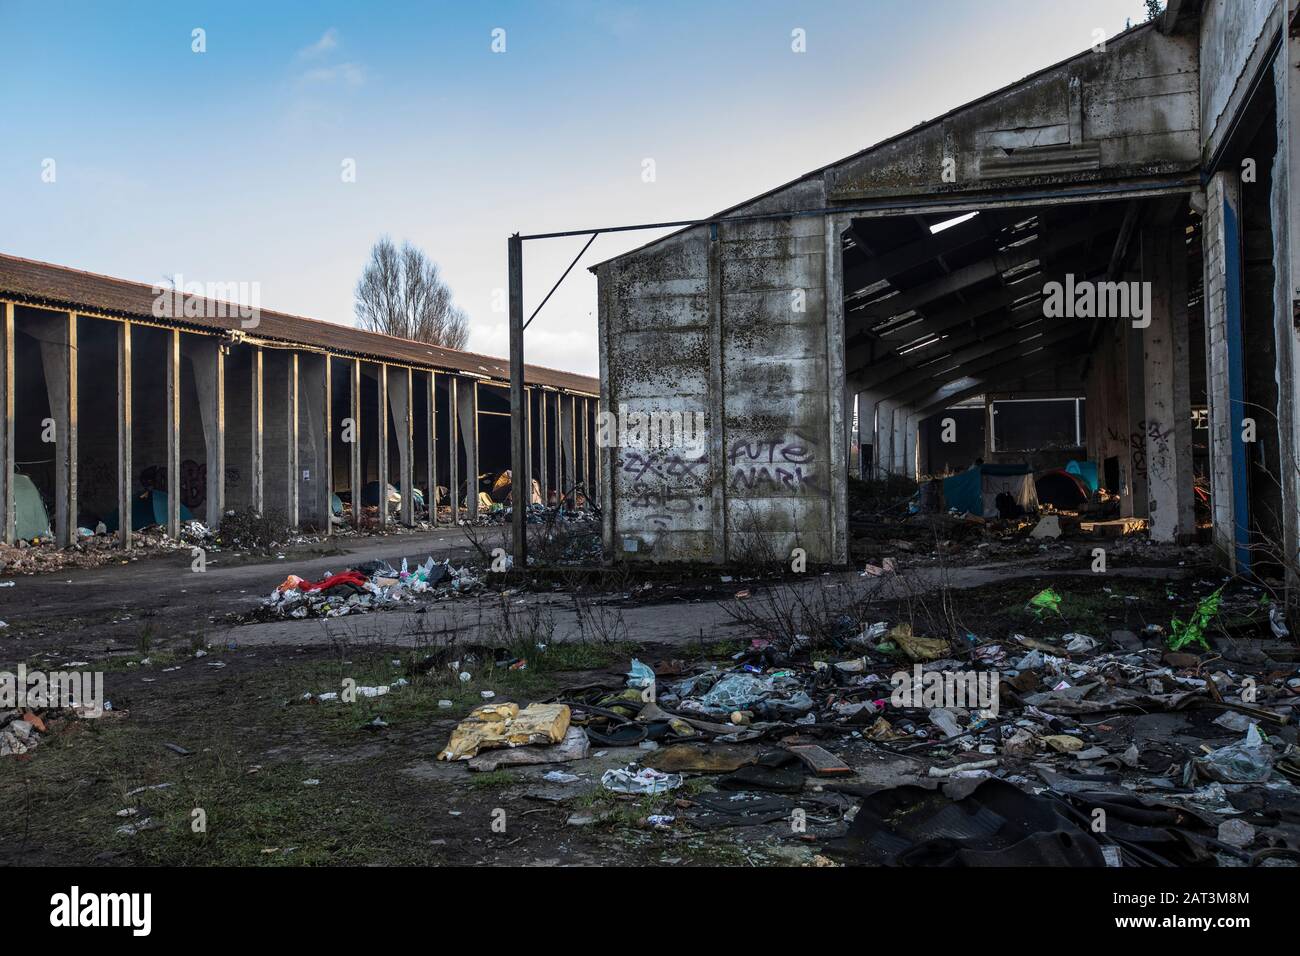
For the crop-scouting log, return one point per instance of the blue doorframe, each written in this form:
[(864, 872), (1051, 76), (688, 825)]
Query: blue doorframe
[(1236, 387)]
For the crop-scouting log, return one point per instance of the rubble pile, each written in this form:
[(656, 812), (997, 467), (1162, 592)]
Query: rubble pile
[(367, 587), (876, 737), (20, 732), (95, 548)]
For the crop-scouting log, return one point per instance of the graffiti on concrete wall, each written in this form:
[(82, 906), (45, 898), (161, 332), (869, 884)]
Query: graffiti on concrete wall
[(782, 464)]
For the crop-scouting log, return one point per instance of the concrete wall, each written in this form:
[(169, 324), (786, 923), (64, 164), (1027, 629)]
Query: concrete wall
[(1234, 39), (1129, 111), (730, 326)]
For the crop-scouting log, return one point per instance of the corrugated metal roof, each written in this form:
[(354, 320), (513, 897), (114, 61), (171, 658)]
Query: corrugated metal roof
[(46, 284)]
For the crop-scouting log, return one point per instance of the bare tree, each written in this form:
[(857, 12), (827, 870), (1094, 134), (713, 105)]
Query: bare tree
[(402, 293)]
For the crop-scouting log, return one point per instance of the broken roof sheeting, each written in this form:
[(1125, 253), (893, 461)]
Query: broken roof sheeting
[(47, 285)]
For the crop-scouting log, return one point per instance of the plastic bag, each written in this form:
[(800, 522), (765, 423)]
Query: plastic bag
[(1250, 760)]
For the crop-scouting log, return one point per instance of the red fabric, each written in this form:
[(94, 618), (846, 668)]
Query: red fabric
[(347, 577)]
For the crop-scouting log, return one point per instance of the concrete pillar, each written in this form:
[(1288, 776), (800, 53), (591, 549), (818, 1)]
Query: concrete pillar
[(543, 464), (352, 435), (586, 450), (383, 445), (600, 467), (173, 362), (314, 457), (1286, 230), (867, 454), (913, 456), (467, 409), (453, 431), (257, 413), (1168, 393), (399, 401), (7, 422), (1134, 500), (207, 356), (291, 411), (883, 439), (124, 423), (899, 460), (1225, 377), (431, 445), (525, 498), (567, 449), (58, 342)]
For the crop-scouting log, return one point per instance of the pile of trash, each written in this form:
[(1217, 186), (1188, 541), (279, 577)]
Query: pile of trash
[(372, 585), (1191, 756), (20, 732)]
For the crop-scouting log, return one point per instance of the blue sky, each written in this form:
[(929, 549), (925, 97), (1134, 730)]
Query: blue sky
[(226, 166)]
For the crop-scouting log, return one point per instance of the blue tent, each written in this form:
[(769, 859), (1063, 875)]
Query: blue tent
[(1085, 471), (146, 509), (976, 489)]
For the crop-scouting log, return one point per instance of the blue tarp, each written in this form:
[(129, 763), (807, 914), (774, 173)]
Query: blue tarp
[(966, 491), (149, 508), (1085, 471)]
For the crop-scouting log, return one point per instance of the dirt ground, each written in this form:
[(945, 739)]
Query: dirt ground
[(217, 752)]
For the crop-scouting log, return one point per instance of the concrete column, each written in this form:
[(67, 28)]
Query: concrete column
[(124, 421), (207, 356), (314, 467), (383, 445), (257, 412), (558, 452), (1134, 499), (913, 456), (467, 409), (899, 465), (453, 432), (1168, 391), (567, 447), (173, 361), (431, 406), (7, 422), (543, 464), (1225, 378), (883, 439), (600, 467), (352, 432), (58, 340), (399, 401), (1286, 229), (586, 448), (327, 425), (867, 405), (291, 403), (527, 495)]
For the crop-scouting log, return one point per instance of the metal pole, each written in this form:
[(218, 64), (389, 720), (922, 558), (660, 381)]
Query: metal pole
[(519, 496)]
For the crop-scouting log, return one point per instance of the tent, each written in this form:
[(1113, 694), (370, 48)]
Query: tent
[(147, 508), (1085, 471), (1062, 489), (31, 520), (976, 489)]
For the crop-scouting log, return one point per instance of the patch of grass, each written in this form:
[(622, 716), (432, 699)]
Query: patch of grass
[(491, 780)]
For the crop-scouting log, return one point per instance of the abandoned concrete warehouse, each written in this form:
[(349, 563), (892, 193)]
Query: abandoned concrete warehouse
[(221, 407), (1115, 234)]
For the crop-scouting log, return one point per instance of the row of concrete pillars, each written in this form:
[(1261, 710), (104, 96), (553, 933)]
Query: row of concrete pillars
[(278, 428)]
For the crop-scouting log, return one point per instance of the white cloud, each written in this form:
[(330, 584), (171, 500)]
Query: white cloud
[(348, 74), (328, 41)]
